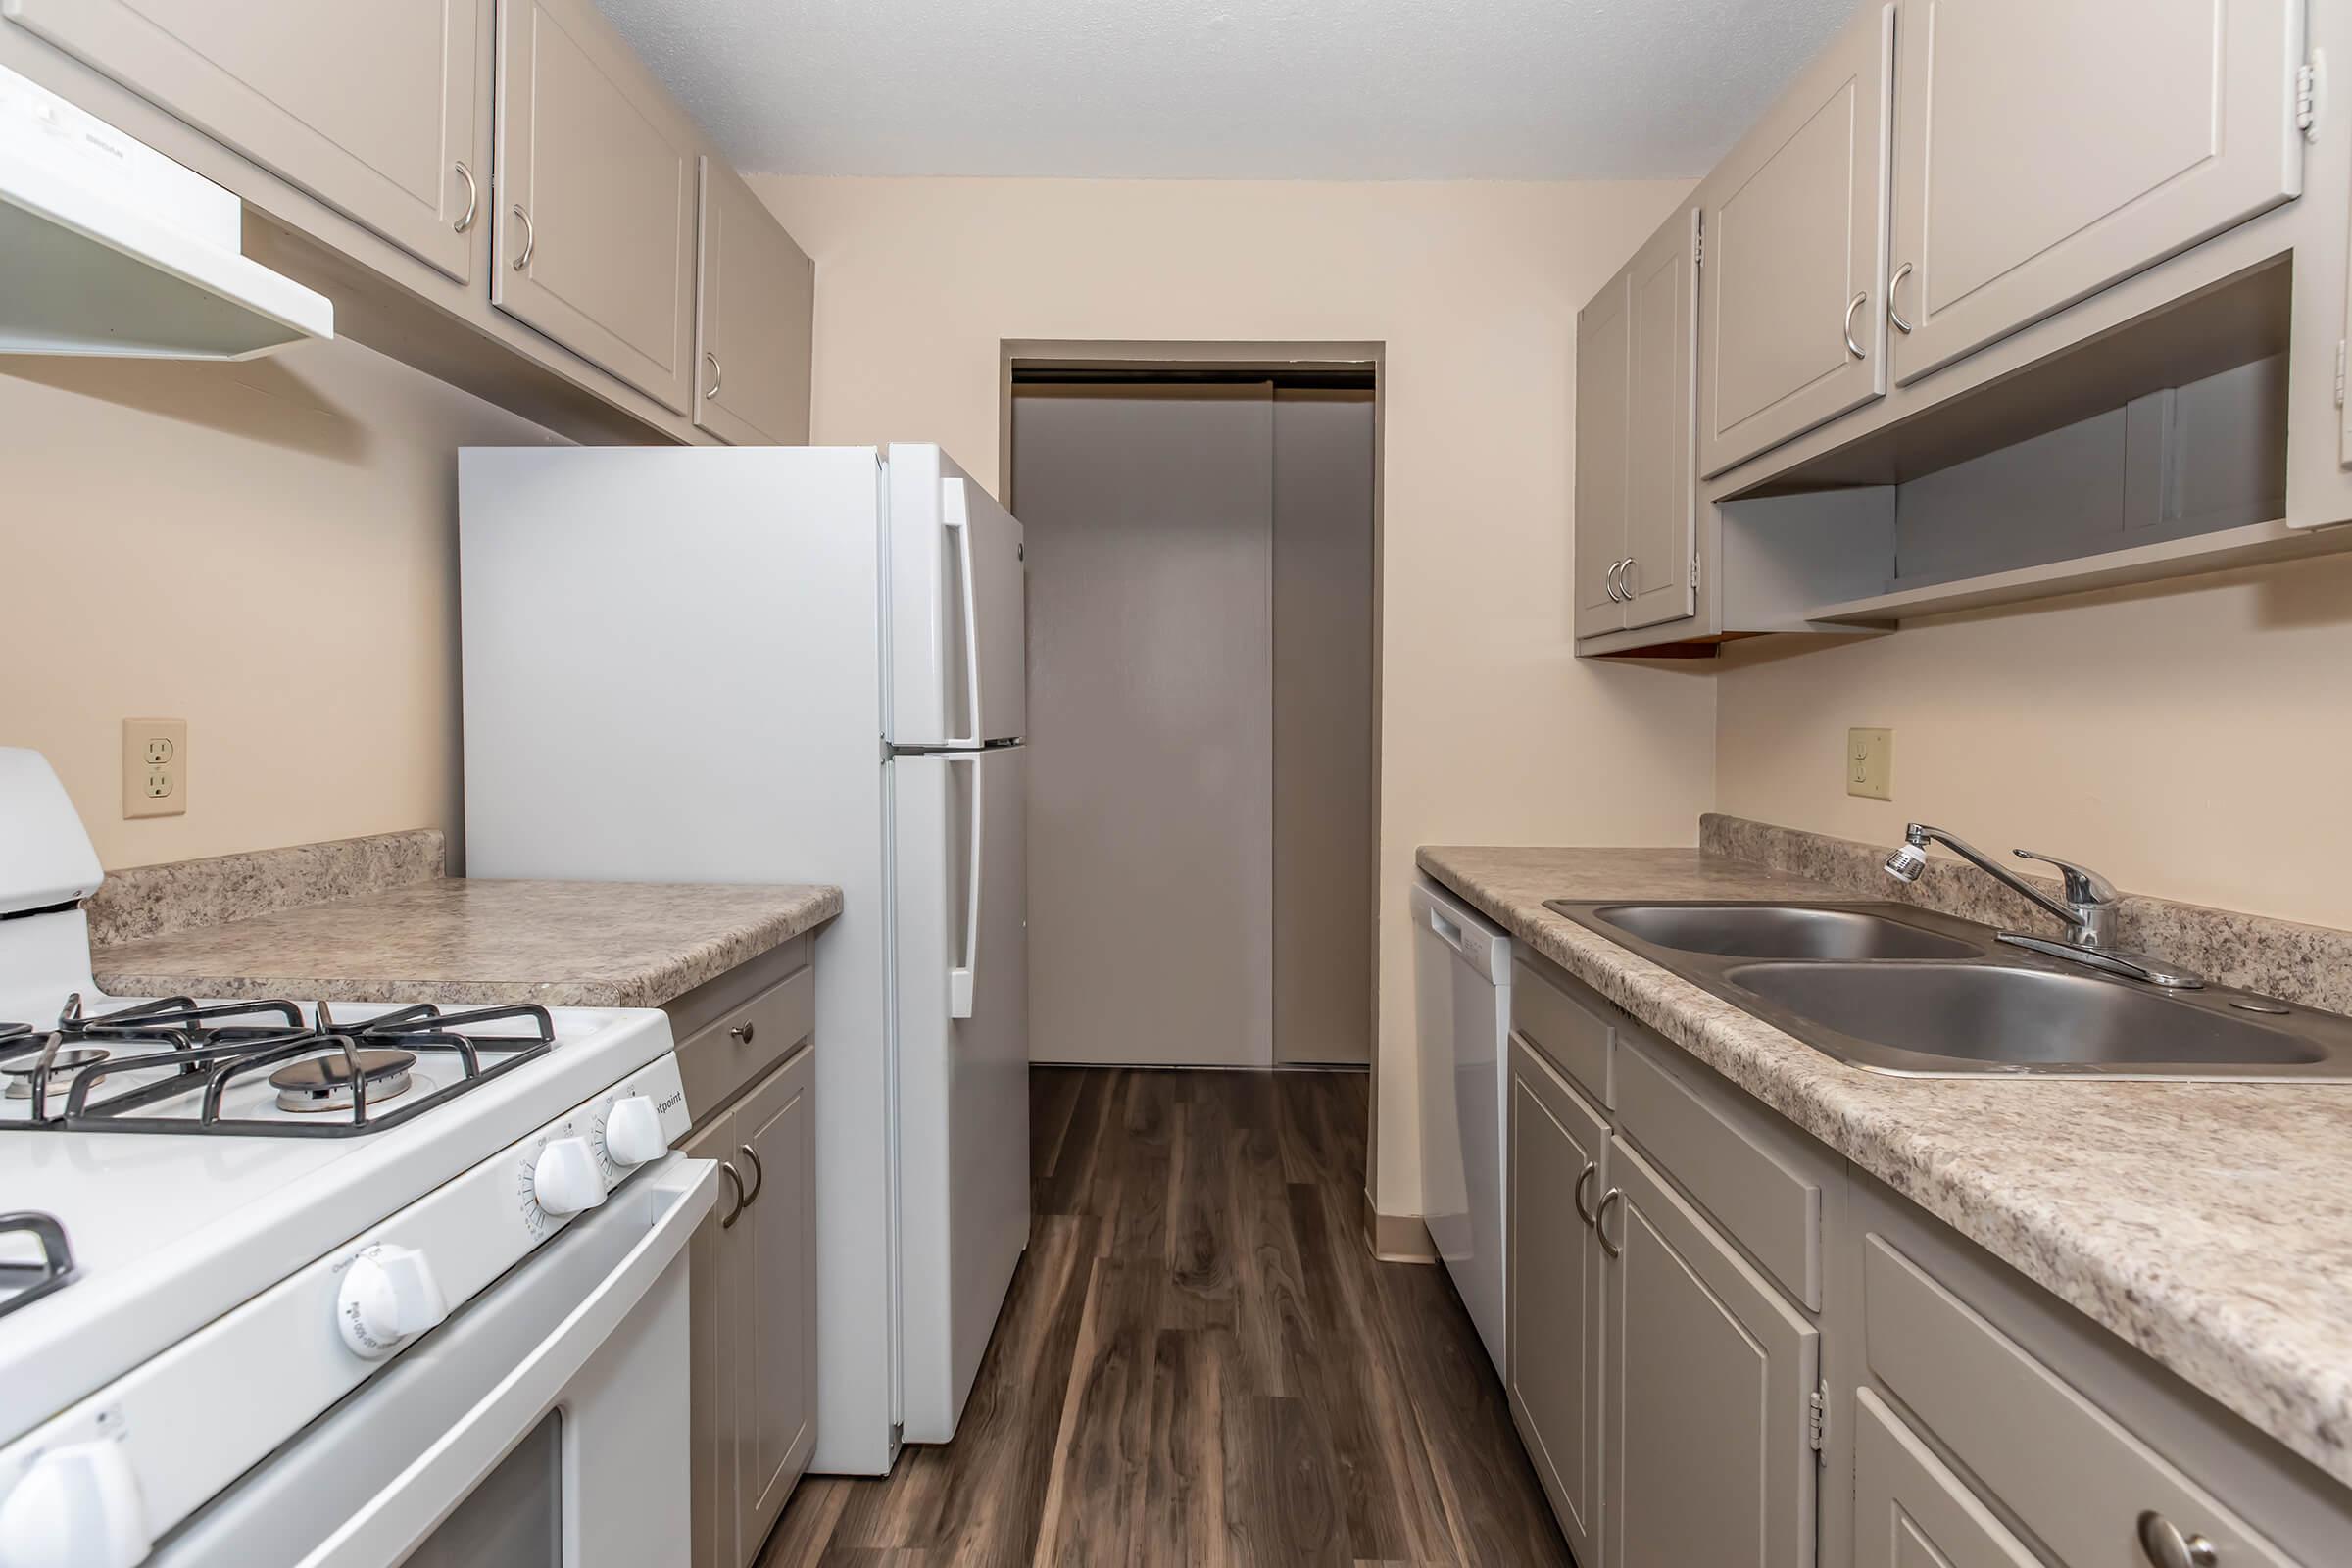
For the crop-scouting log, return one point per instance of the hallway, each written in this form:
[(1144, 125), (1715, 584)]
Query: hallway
[(1199, 1363)]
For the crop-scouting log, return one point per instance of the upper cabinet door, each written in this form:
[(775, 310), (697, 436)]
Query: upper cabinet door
[(596, 198), (1603, 383), (2048, 150), (1791, 332), (752, 319), (1661, 463), (369, 105)]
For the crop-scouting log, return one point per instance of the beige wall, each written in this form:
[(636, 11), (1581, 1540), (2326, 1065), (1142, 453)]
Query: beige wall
[(1491, 732), (267, 550), (2188, 740)]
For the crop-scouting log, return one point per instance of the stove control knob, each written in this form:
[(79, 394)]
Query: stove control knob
[(389, 1296), (633, 1134), (565, 1179), (77, 1507)]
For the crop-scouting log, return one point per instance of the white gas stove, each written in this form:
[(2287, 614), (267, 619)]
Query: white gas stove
[(226, 1217)]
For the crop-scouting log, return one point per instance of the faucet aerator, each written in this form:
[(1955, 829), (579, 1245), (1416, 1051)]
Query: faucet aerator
[(1906, 862)]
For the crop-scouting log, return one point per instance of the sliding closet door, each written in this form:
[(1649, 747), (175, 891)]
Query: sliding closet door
[(1149, 518), (1323, 852)]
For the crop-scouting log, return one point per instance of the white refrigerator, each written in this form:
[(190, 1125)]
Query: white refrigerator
[(796, 664)]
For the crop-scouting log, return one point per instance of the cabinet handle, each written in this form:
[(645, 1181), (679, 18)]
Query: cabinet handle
[(759, 1174), (1600, 1221), (745, 1032), (1851, 306), (531, 238), (718, 375), (1608, 581), (1625, 579), (1582, 1181), (1893, 315), (1616, 584), (735, 1181), (2165, 1546), (474, 197)]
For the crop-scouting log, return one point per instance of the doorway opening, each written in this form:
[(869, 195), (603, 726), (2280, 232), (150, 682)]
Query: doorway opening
[(1201, 530)]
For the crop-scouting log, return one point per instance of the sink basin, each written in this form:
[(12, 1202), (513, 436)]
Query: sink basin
[(2020, 1018), (1779, 931), (1897, 989)]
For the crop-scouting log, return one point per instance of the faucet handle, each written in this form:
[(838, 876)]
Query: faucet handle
[(2083, 886)]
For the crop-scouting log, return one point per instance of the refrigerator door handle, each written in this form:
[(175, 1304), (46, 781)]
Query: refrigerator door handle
[(959, 979), (955, 513)]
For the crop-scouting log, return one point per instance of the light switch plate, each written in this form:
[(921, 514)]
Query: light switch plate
[(155, 767), (1870, 764)]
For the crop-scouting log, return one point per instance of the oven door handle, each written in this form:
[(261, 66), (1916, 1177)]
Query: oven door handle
[(399, 1518)]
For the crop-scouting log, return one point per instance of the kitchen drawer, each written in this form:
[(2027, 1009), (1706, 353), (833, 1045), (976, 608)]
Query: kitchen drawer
[(2061, 1467), (1566, 1032), (718, 1060), (1727, 1155), (1911, 1511)]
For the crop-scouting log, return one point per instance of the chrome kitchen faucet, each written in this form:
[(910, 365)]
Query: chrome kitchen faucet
[(2086, 911)]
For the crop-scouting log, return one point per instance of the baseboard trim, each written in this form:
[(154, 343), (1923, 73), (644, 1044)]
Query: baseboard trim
[(1398, 1237)]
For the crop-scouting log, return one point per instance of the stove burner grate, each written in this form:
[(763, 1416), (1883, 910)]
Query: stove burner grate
[(176, 1048)]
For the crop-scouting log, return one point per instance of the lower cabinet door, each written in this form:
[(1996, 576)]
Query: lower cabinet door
[(775, 1315), (1707, 1380), (1910, 1511), (1553, 1266), (712, 1294)]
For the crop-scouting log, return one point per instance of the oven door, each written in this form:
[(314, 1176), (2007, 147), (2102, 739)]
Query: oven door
[(545, 1426)]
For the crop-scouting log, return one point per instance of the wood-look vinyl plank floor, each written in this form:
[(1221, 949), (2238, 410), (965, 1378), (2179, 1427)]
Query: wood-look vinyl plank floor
[(1198, 1363)]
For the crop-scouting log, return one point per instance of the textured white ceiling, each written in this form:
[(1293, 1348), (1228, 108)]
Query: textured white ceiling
[(1362, 89)]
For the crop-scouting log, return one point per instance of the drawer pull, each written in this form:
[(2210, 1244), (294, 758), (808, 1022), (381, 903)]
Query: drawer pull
[(1600, 1221), (735, 1181), (1583, 1180), (744, 1032), (2165, 1546)]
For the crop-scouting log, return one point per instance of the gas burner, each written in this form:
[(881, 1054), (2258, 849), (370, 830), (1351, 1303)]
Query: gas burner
[(324, 1083), (62, 1066), (181, 1066)]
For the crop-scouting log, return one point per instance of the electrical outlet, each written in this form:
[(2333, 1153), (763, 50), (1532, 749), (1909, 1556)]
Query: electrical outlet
[(155, 767), (1870, 764)]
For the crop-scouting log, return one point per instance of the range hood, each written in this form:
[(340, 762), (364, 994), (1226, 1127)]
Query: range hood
[(107, 247)]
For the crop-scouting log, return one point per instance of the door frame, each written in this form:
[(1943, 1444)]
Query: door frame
[(1276, 358)]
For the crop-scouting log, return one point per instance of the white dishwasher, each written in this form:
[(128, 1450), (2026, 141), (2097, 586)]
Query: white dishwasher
[(1462, 980)]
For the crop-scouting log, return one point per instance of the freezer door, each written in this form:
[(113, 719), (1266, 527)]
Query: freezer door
[(962, 978), (959, 594)]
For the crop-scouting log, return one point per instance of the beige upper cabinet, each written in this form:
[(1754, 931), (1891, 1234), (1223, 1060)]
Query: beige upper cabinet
[(371, 106), (597, 176), (1792, 332), (1603, 377), (2047, 151), (753, 318), (1661, 464)]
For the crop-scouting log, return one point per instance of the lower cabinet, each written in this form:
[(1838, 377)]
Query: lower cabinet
[(1910, 1510), (1560, 1145), (753, 1284), (1728, 1349), (1705, 1434)]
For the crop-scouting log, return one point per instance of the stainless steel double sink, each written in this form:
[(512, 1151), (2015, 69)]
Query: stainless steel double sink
[(1906, 991)]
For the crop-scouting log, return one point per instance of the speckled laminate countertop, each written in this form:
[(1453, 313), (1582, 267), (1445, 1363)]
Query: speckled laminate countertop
[(2208, 1224), (458, 940)]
